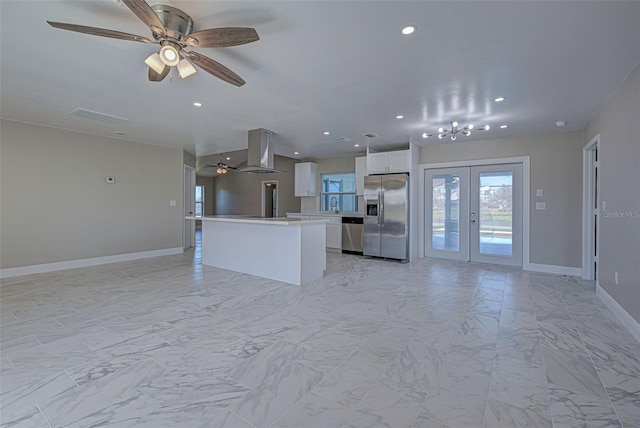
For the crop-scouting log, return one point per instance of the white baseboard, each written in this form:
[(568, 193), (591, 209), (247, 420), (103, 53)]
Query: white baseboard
[(632, 325), (558, 270), (95, 261)]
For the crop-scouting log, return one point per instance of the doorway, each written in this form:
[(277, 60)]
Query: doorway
[(270, 199), (189, 226), (474, 213), (590, 209)]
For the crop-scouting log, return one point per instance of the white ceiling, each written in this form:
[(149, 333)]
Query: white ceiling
[(338, 66)]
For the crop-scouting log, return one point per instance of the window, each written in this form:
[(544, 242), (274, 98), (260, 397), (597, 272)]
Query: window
[(199, 201), (339, 192)]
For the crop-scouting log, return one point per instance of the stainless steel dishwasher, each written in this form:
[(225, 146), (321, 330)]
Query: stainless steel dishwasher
[(352, 234)]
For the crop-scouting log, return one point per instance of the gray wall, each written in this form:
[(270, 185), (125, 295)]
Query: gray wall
[(556, 168), (618, 124), (57, 207), (238, 193), (326, 166), (189, 159), (207, 182)]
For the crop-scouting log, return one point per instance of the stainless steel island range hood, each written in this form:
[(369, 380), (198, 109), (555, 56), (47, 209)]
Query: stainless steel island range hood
[(260, 153)]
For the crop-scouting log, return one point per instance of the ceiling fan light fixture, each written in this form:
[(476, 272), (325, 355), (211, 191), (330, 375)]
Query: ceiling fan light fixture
[(169, 55), (185, 69), (155, 63)]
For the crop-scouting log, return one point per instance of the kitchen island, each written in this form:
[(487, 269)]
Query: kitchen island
[(284, 249)]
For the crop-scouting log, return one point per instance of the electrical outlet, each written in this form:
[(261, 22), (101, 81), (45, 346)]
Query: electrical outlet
[(110, 180), (615, 277), (541, 206)]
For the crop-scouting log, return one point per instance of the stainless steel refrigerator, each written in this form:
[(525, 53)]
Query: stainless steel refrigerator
[(386, 217)]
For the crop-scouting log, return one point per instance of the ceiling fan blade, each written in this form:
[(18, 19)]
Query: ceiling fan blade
[(143, 11), (215, 68), (158, 77), (99, 32), (222, 37)]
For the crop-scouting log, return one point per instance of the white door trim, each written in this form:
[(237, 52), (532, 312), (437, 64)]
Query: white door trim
[(588, 204), (526, 179)]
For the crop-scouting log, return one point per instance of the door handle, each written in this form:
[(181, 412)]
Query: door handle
[(379, 208)]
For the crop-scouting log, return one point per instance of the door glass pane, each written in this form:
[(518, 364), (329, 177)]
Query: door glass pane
[(496, 213), (445, 216)]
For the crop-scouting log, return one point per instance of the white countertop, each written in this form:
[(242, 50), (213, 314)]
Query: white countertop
[(280, 221), (329, 214)]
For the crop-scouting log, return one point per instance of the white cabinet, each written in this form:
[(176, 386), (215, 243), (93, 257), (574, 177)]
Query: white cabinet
[(334, 229), (377, 163), (399, 161), (389, 162), (334, 233), (305, 179), (361, 171)]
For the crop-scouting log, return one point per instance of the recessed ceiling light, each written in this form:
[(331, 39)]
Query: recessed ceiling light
[(409, 29), (499, 99), (326, 133), (561, 123), (399, 116), (356, 145), (503, 126), (228, 158), (197, 104), (296, 153)]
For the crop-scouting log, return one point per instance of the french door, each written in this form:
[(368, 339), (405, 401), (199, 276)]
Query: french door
[(475, 213)]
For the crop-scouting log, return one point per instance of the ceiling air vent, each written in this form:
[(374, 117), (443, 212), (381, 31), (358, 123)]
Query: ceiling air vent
[(371, 135), (344, 139), (94, 115)]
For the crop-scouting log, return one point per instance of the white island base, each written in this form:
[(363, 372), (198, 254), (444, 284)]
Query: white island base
[(288, 250)]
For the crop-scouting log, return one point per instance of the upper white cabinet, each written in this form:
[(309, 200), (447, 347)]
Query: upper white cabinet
[(389, 162), (305, 179), (361, 171), (377, 163)]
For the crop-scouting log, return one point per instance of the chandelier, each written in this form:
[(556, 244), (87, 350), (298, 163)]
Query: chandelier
[(455, 130)]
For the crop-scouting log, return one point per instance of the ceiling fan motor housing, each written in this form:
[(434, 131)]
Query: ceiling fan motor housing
[(176, 22)]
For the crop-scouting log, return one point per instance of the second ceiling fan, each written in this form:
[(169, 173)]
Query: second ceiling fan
[(171, 29)]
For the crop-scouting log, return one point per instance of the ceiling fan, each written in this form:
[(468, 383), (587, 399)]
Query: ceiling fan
[(222, 168), (171, 28)]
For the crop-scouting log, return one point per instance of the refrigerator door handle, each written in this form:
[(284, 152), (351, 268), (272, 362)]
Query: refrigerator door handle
[(381, 203)]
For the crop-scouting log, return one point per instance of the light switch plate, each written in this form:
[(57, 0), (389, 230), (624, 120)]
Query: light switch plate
[(539, 193), (541, 206), (172, 203)]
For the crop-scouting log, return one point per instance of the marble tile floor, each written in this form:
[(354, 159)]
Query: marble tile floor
[(167, 342)]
